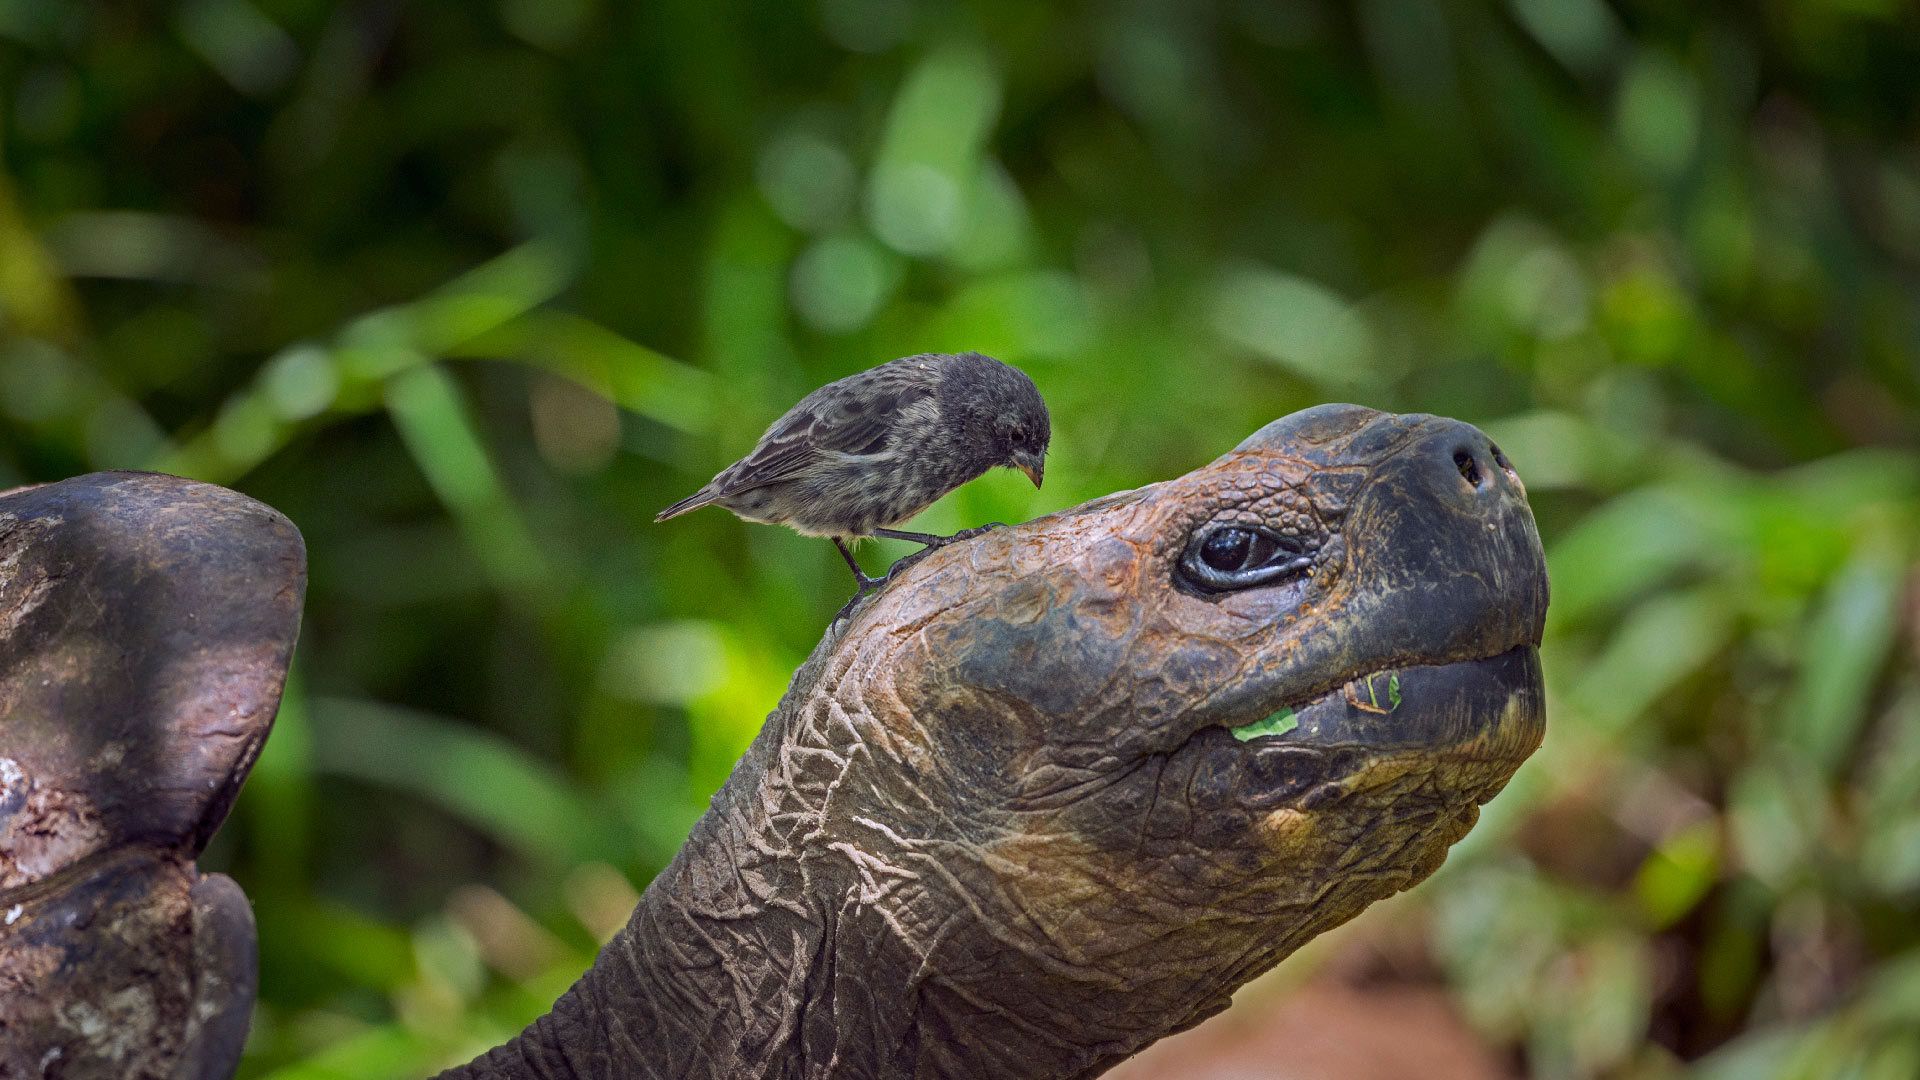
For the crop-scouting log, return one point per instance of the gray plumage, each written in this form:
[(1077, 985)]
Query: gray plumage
[(870, 451)]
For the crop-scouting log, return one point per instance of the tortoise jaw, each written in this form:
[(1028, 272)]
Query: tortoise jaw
[(1490, 709), (1434, 706)]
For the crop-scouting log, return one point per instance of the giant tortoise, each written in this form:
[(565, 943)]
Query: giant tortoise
[(1049, 796)]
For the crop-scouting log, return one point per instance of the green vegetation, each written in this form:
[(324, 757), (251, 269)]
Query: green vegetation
[(470, 289), (1277, 723)]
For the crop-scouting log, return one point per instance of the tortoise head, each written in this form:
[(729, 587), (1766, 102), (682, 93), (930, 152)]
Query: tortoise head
[(1157, 741)]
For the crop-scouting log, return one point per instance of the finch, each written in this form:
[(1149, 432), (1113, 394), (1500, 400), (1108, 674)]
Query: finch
[(867, 452)]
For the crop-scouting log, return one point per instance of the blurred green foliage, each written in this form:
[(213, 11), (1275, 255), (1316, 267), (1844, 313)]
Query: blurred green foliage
[(469, 290)]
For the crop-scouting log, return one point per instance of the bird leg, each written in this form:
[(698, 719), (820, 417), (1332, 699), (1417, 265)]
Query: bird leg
[(933, 541), (867, 584)]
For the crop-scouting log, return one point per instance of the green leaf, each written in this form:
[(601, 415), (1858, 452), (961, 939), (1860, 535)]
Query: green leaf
[(1276, 723), (1393, 691), (479, 777), (386, 1051), (1659, 645), (1625, 548), (1677, 875), (427, 408), (1845, 646)]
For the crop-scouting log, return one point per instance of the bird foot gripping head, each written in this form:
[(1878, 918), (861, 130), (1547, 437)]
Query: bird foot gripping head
[(867, 586)]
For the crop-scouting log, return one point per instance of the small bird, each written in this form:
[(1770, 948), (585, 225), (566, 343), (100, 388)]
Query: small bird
[(867, 452)]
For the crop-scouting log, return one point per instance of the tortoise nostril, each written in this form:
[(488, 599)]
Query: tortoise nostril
[(1500, 459), (1468, 465)]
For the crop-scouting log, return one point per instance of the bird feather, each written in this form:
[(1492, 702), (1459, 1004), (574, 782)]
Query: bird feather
[(813, 431)]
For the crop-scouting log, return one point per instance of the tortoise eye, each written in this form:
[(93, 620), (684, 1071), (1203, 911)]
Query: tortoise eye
[(1229, 550), (1225, 557)]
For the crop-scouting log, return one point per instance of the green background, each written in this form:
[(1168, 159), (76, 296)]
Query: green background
[(470, 289)]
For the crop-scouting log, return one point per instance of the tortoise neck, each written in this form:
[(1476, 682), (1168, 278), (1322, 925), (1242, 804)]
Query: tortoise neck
[(725, 970)]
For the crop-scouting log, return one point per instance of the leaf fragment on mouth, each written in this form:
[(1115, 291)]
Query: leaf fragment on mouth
[(1276, 723)]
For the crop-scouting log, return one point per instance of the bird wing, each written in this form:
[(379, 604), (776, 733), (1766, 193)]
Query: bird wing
[(852, 417)]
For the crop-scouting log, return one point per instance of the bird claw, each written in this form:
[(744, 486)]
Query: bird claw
[(963, 534), (903, 562), (968, 534), (846, 609), (870, 585), (867, 587)]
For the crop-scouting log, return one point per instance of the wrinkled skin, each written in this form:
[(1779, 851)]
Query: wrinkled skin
[(999, 826)]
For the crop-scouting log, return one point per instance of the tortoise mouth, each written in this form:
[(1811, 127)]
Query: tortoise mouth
[(1304, 754)]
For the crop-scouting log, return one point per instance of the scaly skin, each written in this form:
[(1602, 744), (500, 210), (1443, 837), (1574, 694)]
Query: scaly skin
[(998, 826)]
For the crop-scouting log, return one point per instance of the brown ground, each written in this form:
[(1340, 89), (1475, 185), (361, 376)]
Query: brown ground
[(1326, 1031), (1370, 1009)]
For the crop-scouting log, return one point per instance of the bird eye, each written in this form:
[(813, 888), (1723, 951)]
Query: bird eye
[(1227, 557)]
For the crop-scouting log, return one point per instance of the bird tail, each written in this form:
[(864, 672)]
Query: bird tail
[(692, 502)]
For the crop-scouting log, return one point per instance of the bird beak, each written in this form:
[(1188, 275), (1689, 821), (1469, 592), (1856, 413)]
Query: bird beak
[(1032, 466)]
